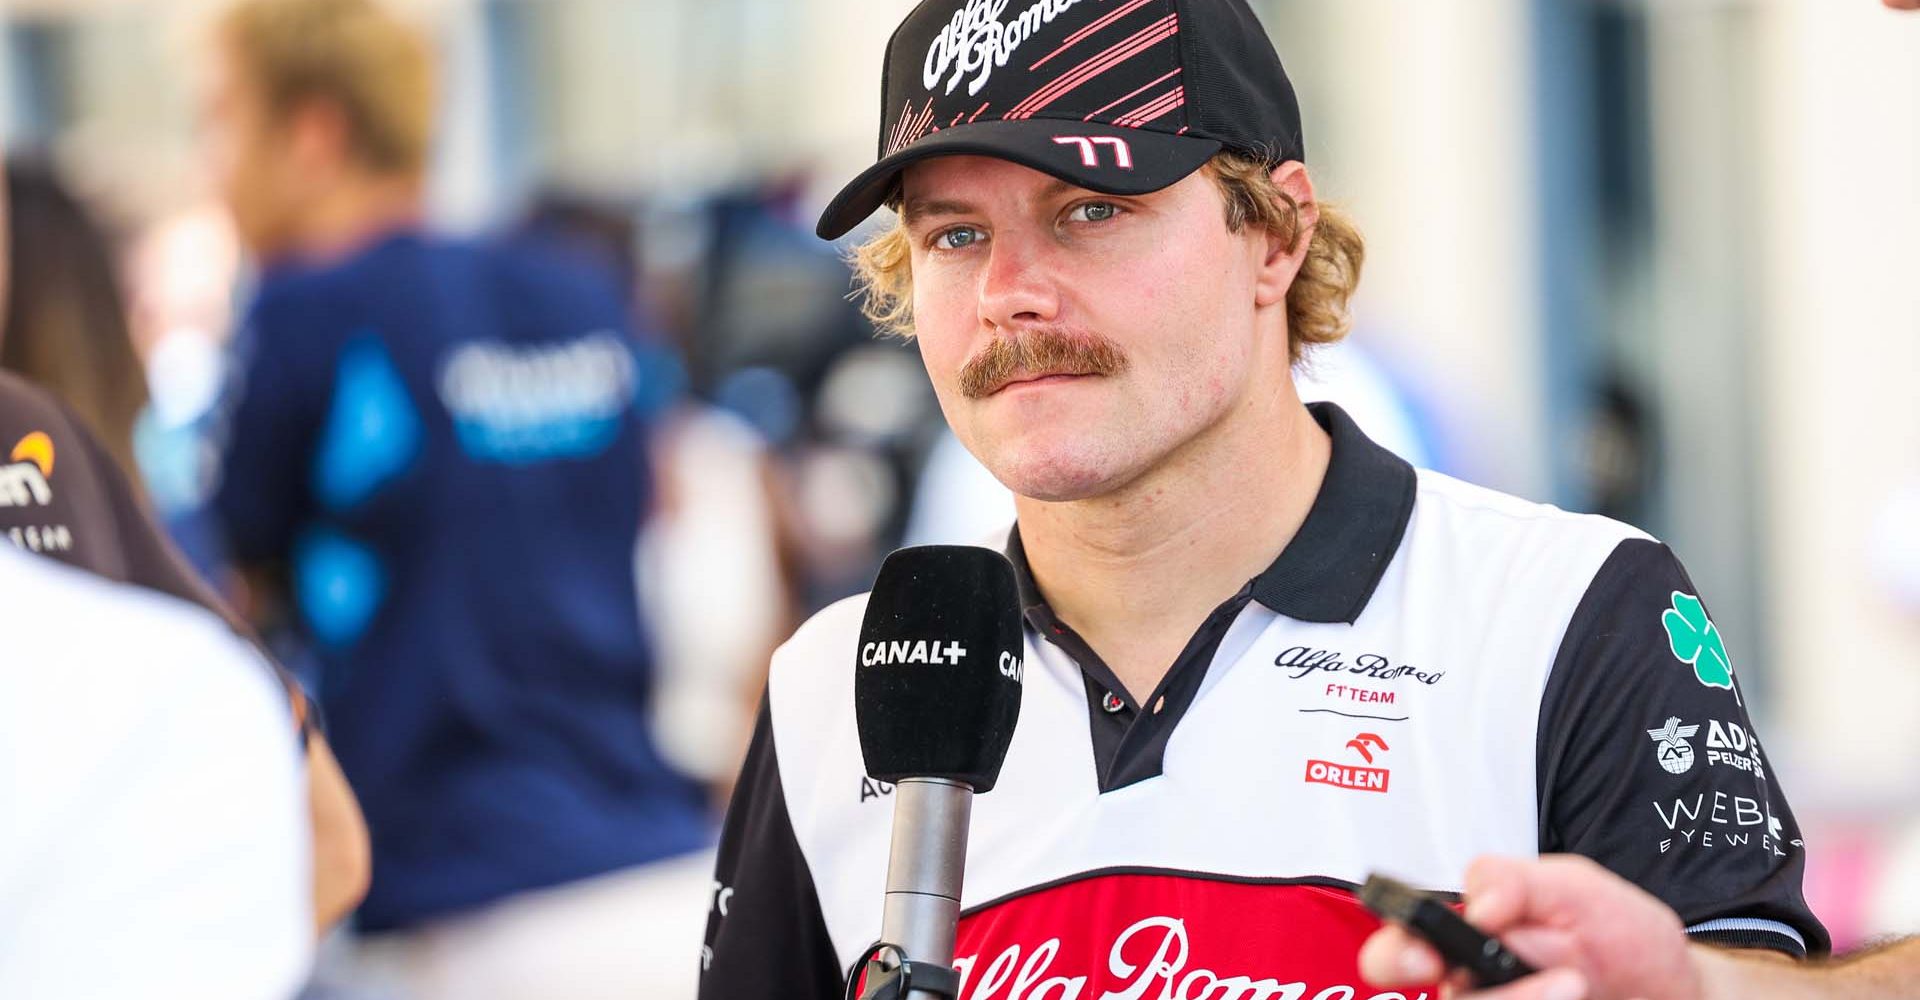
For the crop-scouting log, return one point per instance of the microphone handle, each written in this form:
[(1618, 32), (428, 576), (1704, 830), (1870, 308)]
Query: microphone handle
[(924, 870)]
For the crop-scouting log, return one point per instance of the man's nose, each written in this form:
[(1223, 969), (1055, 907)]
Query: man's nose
[(1019, 286)]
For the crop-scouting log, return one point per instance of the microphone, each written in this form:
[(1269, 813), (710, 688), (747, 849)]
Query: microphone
[(936, 694)]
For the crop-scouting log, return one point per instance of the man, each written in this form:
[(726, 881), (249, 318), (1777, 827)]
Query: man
[(435, 452), (1264, 657), (155, 841), (1594, 935)]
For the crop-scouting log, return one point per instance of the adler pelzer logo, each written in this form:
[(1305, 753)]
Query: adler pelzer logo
[(1673, 750)]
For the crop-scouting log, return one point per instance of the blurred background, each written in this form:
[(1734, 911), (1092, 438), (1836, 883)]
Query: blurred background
[(1659, 260)]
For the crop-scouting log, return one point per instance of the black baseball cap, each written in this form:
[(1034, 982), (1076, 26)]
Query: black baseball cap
[(1117, 96)]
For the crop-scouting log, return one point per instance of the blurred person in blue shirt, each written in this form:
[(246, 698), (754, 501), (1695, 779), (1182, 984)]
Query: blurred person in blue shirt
[(435, 456)]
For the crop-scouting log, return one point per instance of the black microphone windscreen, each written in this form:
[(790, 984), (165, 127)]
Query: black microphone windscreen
[(937, 681)]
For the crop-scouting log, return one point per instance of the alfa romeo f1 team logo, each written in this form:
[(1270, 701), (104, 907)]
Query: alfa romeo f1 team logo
[(1671, 746)]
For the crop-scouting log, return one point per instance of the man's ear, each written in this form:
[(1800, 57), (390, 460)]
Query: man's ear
[(1287, 250)]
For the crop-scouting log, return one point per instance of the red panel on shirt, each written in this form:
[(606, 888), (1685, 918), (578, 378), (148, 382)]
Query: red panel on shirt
[(1169, 937)]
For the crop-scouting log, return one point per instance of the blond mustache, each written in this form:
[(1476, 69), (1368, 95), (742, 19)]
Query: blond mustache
[(1036, 354)]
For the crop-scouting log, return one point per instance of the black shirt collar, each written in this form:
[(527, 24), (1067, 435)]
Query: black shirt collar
[(1328, 572)]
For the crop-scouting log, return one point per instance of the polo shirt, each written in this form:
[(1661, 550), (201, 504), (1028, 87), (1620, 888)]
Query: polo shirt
[(1427, 672), (438, 440)]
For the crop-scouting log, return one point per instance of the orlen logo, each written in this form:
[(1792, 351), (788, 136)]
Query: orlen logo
[(882, 654), (24, 482), (1364, 779)]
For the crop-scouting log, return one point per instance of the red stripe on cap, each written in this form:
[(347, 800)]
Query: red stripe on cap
[(911, 129), (976, 112), (1106, 60), (1133, 45), (920, 126), (900, 127), (1080, 35), (1135, 93), (1153, 109), (893, 134)]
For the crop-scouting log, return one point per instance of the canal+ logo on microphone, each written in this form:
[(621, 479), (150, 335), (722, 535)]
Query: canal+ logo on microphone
[(934, 652)]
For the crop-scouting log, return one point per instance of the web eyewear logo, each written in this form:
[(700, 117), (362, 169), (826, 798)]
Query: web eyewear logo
[(1671, 746), (1363, 779), (976, 41), (1722, 820)]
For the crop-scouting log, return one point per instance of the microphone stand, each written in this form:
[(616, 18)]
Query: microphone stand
[(928, 859)]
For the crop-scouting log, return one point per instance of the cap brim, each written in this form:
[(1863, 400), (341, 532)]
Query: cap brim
[(1104, 158)]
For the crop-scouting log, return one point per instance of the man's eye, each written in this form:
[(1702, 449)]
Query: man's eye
[(1093, 211), (957, 238)]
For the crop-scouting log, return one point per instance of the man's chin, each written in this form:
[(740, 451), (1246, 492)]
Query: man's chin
[(1055, 480)]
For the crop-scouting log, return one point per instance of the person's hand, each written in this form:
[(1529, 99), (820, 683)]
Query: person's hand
[(1591, 933), (1904, 4)]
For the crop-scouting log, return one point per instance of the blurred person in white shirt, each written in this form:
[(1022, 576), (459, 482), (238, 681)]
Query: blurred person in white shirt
[(155, 839)]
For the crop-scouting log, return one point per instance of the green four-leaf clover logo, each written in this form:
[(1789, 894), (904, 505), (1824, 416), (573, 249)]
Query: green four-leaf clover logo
[(1696, 642)]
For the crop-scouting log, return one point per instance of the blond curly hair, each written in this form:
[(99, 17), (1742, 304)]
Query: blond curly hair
[(1317, 303)]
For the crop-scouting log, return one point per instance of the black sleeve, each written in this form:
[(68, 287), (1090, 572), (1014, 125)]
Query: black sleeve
[(766, 936), (1649, 764)]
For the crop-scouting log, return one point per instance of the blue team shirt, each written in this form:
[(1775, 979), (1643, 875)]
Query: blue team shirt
[(439, 440)]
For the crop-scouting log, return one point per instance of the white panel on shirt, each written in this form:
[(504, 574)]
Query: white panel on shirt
[(1477, 597)]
